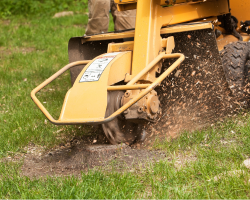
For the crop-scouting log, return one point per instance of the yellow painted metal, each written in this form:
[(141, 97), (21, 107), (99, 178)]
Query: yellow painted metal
[(226, 39), (240, 9), (131, 34), (123, 5), (109, 36), (128, 87), (151, 16), (186, 27), (146, 69), (125, 1), (167, 43), (170, 45), (88, 100), (120, 68), (118, 47), (48, 81), (174, 2), (157, 82)]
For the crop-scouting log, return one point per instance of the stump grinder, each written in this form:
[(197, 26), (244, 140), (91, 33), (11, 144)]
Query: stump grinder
[(182, 55)]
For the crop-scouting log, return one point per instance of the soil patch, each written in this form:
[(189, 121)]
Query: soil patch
[(75, 158)]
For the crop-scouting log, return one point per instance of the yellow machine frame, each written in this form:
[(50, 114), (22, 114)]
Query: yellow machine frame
[(146, 54)]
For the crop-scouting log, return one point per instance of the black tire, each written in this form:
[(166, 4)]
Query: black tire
[(234, 59)]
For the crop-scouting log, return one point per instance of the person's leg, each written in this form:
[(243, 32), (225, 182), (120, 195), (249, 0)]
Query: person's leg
[(98, 16), (123, 20)]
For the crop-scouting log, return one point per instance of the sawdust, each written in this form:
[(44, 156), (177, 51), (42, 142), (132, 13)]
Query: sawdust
[(196, 94)]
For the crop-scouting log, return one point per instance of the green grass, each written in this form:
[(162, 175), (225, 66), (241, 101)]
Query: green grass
[(209, 153), (93, 185), (31, 51), (21, 121), (31, 8)]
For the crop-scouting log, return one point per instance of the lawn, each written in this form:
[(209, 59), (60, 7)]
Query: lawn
[(201, 164)]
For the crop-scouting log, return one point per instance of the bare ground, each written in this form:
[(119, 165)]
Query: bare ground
[(75, 158)]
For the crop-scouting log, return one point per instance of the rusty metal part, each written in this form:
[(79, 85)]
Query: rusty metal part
[(146, 109), (119, 130)]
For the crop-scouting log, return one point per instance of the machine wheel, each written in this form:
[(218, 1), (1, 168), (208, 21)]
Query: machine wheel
[(119, 130), (234, 60)]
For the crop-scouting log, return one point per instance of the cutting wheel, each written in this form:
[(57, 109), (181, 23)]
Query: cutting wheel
[(120, 130)]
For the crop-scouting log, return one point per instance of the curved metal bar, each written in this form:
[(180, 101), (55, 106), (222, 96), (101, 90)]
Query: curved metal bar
[(157, 82), (147, 68), (154, 84), (49, 80)]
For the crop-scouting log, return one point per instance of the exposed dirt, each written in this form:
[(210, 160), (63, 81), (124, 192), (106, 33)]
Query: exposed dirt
[(77, 157)]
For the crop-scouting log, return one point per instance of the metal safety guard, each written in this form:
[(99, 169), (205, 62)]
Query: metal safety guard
[(129, 86)]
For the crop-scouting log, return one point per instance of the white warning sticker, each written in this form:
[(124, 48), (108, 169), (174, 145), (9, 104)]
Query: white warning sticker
[(95, 70)]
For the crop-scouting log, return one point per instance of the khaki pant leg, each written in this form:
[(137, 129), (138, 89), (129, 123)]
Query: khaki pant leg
[(98, 16), (123, 20)]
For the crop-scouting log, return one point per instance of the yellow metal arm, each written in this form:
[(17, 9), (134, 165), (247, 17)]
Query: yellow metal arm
[(130, 85), (49, 80)]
